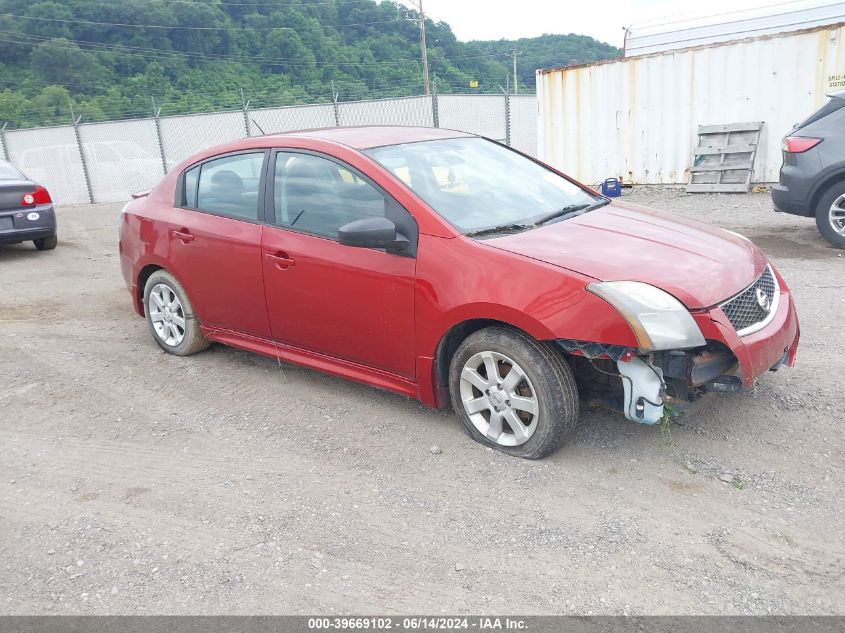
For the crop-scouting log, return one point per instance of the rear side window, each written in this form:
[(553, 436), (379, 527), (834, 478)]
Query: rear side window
[(191, 181), (829, 108), (7, 172), (229, 186)]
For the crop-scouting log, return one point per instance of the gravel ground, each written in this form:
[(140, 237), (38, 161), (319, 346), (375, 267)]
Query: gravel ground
[(136, 482)]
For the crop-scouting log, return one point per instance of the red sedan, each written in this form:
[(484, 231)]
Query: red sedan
[(455, 270)]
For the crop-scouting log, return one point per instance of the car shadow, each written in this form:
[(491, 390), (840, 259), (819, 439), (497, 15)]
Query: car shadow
[(13, 252), (600, 430)]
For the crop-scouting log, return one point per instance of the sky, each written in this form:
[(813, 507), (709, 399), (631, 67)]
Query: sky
[(601, 19)]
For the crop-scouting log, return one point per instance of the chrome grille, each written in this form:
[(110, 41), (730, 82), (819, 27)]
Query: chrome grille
[(745, 311)]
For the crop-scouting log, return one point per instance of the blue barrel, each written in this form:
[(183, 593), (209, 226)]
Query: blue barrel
[(611, 188)]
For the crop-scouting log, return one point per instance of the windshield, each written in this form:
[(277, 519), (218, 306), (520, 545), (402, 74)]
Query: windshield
[(478, 185)]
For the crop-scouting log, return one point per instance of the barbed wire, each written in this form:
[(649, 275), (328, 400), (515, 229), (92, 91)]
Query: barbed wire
[(36, 117)]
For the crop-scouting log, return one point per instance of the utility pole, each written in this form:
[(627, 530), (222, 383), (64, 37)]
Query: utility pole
[(421, 22), (514, 53)]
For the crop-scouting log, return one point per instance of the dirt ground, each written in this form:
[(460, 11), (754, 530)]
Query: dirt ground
[(136, 482)]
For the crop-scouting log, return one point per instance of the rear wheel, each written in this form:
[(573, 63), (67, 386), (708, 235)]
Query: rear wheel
[(830, 215), (171, 317), (513, 393), (46, 243)]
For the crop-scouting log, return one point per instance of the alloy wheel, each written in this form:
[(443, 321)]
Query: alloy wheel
[(167, 315), (836, 215), (499, 399)]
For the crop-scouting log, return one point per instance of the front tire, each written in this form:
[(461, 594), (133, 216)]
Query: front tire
[(513, 393), (830, 215), (171, 317), (46, 243)]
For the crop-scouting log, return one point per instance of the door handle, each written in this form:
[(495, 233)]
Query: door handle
[(281, 260), (183, 234)]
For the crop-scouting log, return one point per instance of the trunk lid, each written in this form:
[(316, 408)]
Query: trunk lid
[(700, 265), (11, 192)]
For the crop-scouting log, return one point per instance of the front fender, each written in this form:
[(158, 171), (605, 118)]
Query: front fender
[(459, 281)]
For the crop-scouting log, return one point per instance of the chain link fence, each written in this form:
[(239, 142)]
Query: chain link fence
[(106, 162)]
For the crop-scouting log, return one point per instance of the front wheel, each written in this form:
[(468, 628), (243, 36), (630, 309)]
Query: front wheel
[(171, 317), (830, 215), (513, 393)]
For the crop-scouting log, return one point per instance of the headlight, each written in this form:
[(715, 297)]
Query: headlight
[(659, 321)]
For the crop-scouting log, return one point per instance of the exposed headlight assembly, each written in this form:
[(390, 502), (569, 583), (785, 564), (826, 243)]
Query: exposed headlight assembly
[(659, 321)]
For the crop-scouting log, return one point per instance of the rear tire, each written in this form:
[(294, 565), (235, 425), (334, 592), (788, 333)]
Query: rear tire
[(46, 243), (830, 215), (170, 316), (527, 414)]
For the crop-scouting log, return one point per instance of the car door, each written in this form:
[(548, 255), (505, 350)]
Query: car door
[(352, 303), (215, 241)]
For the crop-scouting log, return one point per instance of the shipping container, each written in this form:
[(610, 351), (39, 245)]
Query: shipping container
[(638, 117), (683, 32)]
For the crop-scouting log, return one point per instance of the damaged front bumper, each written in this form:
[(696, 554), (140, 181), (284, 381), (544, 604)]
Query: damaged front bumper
[(728, 362)]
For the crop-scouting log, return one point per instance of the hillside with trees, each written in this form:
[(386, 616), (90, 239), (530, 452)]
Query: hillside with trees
[(110, 60)]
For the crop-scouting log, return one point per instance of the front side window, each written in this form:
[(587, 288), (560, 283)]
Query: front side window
[(228, 186), (316, 195), (477, 185)]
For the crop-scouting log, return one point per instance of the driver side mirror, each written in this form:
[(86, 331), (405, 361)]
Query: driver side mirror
[(378, 232)]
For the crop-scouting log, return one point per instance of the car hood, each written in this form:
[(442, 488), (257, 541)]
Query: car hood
[(700, 265)]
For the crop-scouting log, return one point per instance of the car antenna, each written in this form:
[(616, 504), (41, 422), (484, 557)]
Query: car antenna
[(258, 126)]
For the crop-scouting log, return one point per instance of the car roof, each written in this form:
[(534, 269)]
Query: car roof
[(367, 137)]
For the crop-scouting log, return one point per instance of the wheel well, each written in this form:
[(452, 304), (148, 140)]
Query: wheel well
[(822, 189), (145, 273), (446, 349)]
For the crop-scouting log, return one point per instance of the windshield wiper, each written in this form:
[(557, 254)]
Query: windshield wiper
[(570, 210), (561, 214), (502, 228)]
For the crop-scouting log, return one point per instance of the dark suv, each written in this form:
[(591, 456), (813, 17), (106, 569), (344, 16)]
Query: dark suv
[(812, 179)]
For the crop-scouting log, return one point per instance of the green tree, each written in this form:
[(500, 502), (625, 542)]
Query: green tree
[(108, 58), (63, 62)]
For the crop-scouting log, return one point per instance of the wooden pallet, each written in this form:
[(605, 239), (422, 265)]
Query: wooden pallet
[(724, 158)]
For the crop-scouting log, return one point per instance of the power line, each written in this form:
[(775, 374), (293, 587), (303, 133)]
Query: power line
[(161, 53), (194, 28), (267, 5)]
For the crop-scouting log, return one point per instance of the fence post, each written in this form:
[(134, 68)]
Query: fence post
[(245, 105), (435, 109), (76, 120), (507, 118), (156, 114), (3, 141), (335, 96)]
